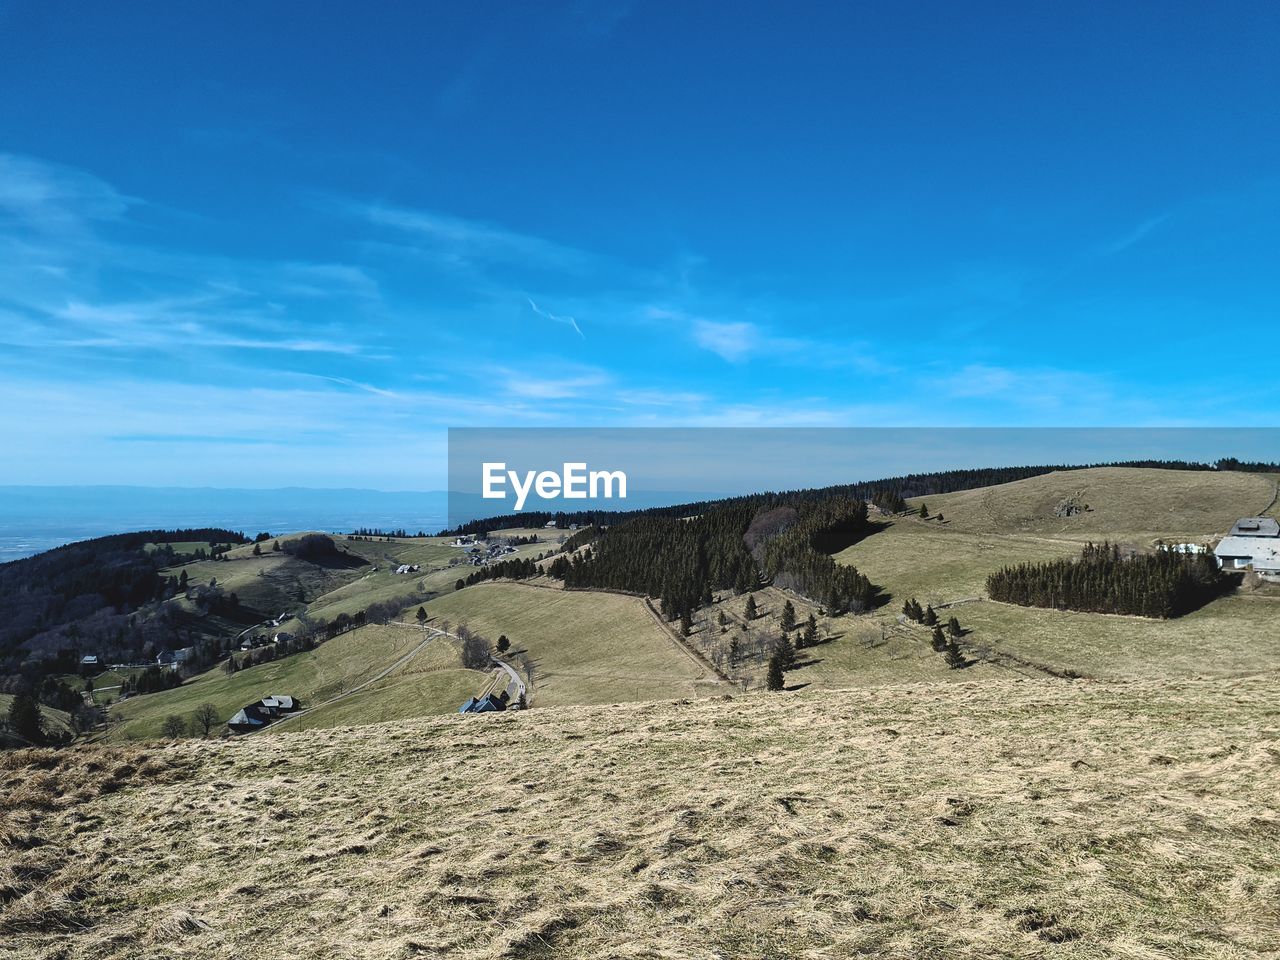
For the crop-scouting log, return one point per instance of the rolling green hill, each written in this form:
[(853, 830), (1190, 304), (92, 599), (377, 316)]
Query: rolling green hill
[(983, 530), (594, 647), (318, 675), (585, 646)]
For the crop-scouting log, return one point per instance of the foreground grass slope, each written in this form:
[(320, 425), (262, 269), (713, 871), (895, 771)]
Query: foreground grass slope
[(1031, 818)]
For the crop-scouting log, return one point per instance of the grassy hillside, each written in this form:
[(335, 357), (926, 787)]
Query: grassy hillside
[(1009, 819), (943, 562), (585, 647), (600, 648), (318, 675), (1122, 502)]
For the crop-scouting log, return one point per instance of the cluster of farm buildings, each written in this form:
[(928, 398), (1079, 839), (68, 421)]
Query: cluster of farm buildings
[(256, 715), (1253, 544)]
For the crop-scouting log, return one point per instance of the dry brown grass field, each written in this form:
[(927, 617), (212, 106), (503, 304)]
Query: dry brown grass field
[(943, 562), (1007, 818), (586, 647)]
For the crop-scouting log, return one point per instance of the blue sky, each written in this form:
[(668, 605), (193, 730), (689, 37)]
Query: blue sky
[(270, 244)]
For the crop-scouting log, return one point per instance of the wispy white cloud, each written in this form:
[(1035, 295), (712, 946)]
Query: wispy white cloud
[(1133, 237), (570, 321), (52, 199), (461, 241), (734, 341), (520, 383)]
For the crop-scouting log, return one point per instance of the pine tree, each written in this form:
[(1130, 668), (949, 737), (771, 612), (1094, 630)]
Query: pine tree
[(686, 623), (422, 615), (955, 660), (275, 546), (810, 638), (953, 627), (751, 607), (24, 717), (924, 512), (257, 549), (786, 651), (939, 640), (503, 643), (788, 616), (774, 680), (722, 619), (930, 618)]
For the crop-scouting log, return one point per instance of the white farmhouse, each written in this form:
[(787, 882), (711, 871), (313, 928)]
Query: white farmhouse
[(1254, 542)]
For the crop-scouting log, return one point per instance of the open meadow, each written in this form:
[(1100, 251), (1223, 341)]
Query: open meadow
[(1012, 818)]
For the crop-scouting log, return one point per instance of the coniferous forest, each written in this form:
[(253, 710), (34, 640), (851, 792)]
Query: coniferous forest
[(683, 561), (1163, 584)]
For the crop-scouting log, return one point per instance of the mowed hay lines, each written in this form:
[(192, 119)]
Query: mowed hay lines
[(1031, 818)]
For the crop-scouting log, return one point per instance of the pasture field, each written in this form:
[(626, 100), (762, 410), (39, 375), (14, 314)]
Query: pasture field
[(316, 675), (986, 529), (1008, 818), (586, 647)]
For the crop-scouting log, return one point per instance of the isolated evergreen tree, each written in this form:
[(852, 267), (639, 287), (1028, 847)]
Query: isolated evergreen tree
[(810, 638), (24, 717), (275, 546), (786, 651), (955, 659), (459, 584), (722, 619), (788, 616), (906, 609), (182, 581), (422, 615), (751, 607), (939, 640), (774, 680), (257, 549), (503, 643), (924, 512), (953, 627), (930, 618), (940, 518)]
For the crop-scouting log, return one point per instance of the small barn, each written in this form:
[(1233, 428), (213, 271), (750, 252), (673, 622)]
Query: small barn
[(249, 719), (489, 703)]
